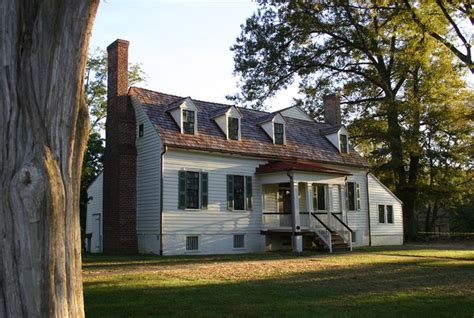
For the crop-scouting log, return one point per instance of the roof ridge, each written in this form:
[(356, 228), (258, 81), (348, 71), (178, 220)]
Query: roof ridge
[(201, 101)]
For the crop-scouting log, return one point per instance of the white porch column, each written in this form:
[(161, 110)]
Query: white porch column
[(297, 239), (330, 204), (309, 203)]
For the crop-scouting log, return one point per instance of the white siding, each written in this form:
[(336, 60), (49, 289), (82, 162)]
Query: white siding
[(295, 112), (148, 183), (94, 214), (270, 197), (384, 233), (215, 224)]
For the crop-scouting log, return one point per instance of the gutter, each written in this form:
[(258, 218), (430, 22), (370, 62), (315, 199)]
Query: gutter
[(165, 149), (368, 206)]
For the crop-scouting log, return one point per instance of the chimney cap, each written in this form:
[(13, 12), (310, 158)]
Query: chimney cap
[(117, 42)]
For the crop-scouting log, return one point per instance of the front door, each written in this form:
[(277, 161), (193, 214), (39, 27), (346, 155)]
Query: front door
[(284, 204)]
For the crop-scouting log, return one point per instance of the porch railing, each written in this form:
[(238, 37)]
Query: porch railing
[(341, 228), (322, 230), (276, 219)]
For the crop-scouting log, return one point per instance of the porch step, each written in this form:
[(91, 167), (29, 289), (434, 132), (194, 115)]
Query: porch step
[(338, 244)]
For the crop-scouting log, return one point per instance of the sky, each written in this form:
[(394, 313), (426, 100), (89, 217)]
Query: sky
[(183, 46)]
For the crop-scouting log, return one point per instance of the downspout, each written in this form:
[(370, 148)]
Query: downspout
[(165, 149), (368, 207)]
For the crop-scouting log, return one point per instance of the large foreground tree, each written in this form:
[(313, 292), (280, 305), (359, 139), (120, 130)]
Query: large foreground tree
[(43, 131), (372, 52)]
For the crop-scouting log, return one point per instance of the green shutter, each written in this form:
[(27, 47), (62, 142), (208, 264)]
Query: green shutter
[(248, 186), (358, 196), (182, 189), (230, 192), (204, 191)]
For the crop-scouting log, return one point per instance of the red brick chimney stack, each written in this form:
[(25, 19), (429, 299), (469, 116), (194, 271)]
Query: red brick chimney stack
[(332, 109), (119, 202)]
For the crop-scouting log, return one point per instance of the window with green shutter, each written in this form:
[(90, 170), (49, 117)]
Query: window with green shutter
[(248, 190), (193, 189), (353, 196), (239, 193)]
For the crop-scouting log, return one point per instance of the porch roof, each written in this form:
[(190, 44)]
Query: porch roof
[(277, 166)]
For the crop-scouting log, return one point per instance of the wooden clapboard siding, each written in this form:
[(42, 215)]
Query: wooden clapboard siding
[(380, 195), (216, 219), (294, 112), (149, 149), (94, 206), (270, 198)]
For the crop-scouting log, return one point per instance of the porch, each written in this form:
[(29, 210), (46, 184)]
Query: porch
[(305, 202)]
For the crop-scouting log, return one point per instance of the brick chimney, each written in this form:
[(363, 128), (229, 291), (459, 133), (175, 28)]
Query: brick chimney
[(120, 165), (332, 109)]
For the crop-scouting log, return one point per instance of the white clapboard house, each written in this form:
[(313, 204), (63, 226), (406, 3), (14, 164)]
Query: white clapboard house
[(184, 176)]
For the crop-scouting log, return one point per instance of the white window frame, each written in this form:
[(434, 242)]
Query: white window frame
[(243, 239), (385, 214), (198, 243)]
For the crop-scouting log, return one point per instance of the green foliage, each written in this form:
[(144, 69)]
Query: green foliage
[(405, 100)]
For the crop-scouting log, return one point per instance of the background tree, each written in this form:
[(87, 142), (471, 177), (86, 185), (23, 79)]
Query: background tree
[(375, 56), (456, 38), (43, 133), (95, 82)]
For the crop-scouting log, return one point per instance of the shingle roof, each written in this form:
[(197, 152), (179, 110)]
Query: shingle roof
[(303, 138), (330, 130)]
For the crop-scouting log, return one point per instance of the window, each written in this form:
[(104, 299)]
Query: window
[(239, 241), (279, 132), (319, 197), (343, 143), (354, 237), (353, 196), (389, 214), (233, 128), (192, 190), (188, 122), (381, 214), (386, 214), (140, 130), (239, 193), (192, 243)]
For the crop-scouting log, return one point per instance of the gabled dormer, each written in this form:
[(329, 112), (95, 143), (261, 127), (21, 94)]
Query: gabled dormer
[(228, 121), (338, 136), (275, 126), (184, 113)]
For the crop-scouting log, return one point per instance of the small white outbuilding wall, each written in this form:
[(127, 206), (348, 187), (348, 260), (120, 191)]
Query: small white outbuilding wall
[(94, 216), (385, 230)]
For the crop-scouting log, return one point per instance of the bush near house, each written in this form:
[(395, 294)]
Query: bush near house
[(406, 281)]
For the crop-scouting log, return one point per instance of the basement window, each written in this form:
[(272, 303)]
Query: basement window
[(192, 243), (239, 241)]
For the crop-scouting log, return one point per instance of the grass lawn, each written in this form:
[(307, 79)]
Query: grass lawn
[(408, 281)]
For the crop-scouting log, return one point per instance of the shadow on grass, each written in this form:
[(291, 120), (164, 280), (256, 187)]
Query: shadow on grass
[(415, 288)]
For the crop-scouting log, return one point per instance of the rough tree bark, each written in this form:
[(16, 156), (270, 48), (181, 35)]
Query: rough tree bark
[(43, 131)]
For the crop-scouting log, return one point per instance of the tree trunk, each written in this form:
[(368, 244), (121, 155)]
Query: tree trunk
[(43, 132)]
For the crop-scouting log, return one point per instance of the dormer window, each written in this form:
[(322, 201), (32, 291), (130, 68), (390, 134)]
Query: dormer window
[(228, 119), (343, 143), (233, 128), (279, 132), (188, 121), (274, 125), (184, 113)]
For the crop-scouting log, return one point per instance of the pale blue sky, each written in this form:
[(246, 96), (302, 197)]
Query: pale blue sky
[(183, 45)]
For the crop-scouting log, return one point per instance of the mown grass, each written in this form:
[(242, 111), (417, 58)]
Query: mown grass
[(409, 281)]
